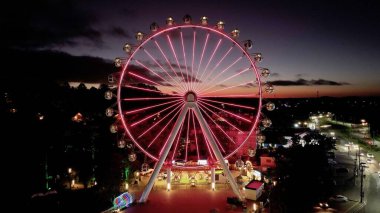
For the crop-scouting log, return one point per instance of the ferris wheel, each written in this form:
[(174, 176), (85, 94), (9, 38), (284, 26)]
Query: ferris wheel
[(191, 92)]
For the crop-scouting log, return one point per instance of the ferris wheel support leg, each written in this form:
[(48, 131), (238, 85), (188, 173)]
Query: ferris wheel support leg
[(165, 153), (217, 152)]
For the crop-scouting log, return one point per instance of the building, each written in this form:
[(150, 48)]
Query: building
[(254, 189)]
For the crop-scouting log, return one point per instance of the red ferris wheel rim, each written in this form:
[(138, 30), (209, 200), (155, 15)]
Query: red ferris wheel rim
[(177, 27)]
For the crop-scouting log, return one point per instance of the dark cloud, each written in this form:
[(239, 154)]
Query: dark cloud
[(189, 78), (301, 75), (303, 82), (146, 74), (275, 74), (43, 24), (222, 85), (119, 32), (46, 66)]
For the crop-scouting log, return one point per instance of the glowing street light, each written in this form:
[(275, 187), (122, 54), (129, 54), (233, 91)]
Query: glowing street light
[(126, 186)]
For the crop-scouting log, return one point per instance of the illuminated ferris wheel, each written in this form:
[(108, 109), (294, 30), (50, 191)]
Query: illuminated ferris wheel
[(191, 92)]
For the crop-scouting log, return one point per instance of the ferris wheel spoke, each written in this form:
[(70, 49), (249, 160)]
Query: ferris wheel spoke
[(210, 59), (229, 78), (231, 96), (227, 103), (163, 129), (166, 59), (201, 60), (163, 69), (217, 64), (154, 114), (192, 62), (226, 88), (174, 126), (217, 125), (195, 133), (175, 56), (144, 78), (220, 73), (177, 141), (184, 57), (150, 107), (187, 134), (217, 141), (149, 99), (150, 128), (204, 138), (228, 112), (148, 90), (152, 71), (224, 119)]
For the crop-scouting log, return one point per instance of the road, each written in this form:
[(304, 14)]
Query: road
[(345, 157)]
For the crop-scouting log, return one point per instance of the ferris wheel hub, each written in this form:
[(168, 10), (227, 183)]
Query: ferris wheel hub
[(190, 96)]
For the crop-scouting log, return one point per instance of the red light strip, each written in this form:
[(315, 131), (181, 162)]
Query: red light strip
[(149, 107), (184, 57), (176, 144), (225, 88), (210, 59), (143, 78), (226, 111), (163, 129), (217, 125), (233, 76), (192, 63), (187, 134), (148, 99), (206, 141), (203, 52), (150, 70), (217, 76), (201, 105), (152, 115), (159, 121), (195, 133), (220, 102), (178, 84), (217, 65), (176, 58), (144, 89)]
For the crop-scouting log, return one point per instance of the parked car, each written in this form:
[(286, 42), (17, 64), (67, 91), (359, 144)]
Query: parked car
[(331, 162), (370, 155), (369, 160), (338, 198), (324, 205)]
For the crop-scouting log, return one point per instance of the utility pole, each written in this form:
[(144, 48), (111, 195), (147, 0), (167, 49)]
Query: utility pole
[(362, 167)]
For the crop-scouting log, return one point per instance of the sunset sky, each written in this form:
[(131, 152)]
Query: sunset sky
[(325, 48)]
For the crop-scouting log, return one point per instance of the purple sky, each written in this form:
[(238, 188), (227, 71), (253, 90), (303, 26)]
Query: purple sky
[(328, 46)]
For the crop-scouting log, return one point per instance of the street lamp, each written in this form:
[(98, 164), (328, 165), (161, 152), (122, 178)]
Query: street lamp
[(254, 207)]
